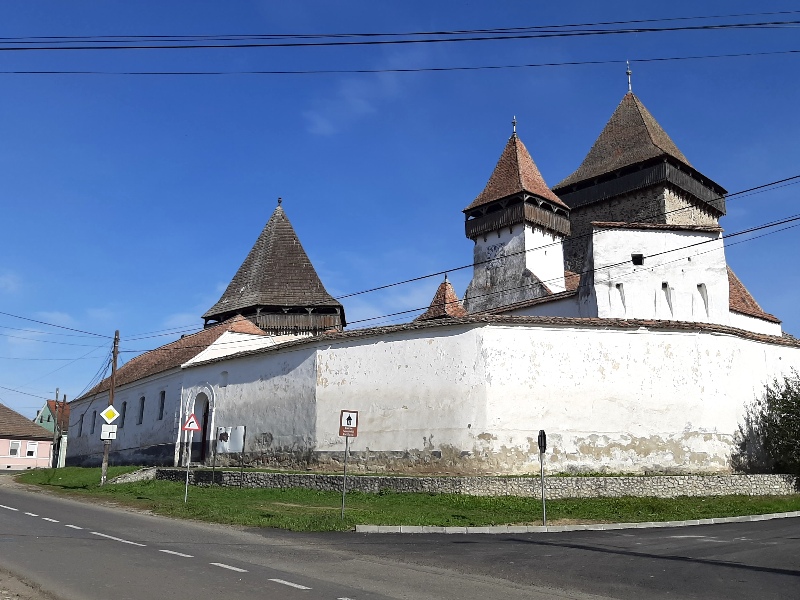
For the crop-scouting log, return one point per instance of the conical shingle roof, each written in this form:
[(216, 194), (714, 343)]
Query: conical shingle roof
[(631, 136), (277, 272), (515, 172), (445, 303)]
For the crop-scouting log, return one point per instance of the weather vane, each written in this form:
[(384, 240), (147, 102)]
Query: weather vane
[(514, 125)]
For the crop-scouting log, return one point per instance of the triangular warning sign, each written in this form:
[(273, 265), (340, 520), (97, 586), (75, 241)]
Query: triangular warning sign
[(191, 424)]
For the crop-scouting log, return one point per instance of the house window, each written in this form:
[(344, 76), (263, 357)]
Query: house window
[(161, 401), (30, 451), (141, 411), (94, 420), (637, 259), (14, 448), (122, 414)]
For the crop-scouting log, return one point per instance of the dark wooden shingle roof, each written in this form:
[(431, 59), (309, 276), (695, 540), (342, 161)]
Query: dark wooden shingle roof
[(631, 136), (276, 272), (515, 172), (16, 426)]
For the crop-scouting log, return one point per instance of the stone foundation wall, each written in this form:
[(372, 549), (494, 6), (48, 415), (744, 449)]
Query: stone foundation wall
[(667, 486)]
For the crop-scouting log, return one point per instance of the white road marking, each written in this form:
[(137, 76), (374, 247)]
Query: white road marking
[(31, 514), (224, 566), (73, 526), (8, 507), (51, 520), (116, 539), (344, 599), (177, 553), (290, 584)]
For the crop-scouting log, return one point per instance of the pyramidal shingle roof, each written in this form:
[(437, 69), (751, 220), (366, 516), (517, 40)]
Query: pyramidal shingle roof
[(276, 272), (632, 135), (445, 303), (15, 425), (515, 172)]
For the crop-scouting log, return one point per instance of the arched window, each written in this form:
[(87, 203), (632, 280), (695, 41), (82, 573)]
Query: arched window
[(122, 414)]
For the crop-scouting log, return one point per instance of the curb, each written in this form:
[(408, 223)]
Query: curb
[(494, 529)]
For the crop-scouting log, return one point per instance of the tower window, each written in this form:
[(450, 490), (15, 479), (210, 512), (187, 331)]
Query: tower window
[(637, 259)]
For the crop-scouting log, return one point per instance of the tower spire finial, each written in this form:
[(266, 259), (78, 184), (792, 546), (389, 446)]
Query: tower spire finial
[(628, 72), (514, 125), (280, 200)]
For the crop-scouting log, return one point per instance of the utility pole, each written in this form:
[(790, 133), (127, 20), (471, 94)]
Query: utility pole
[(107, 443), (54, 456)]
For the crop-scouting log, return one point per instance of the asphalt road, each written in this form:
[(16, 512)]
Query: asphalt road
[(87, 552)]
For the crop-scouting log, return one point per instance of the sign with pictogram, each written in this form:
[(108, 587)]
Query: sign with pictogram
[(191, 424), (110, 415), (348, 423)]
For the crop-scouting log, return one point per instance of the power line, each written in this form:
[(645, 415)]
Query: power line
[(543, 34), (794, 178), (23, 393), (53, 325), (58, 39)]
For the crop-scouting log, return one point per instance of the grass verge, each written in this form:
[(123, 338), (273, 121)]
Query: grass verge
[(307, 510)]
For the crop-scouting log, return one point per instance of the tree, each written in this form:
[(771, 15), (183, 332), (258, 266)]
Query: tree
[(769, 439)]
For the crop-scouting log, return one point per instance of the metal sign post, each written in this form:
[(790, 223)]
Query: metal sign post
[(542, 447), (348, 427), (191, 425)]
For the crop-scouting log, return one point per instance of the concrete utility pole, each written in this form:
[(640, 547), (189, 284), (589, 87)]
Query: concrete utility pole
[(107, 443)]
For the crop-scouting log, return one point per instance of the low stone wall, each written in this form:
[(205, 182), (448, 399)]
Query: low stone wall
[(666, 486)]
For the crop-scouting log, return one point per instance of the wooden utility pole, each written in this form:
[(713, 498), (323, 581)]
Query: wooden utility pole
[(107, 443), (54, 456)]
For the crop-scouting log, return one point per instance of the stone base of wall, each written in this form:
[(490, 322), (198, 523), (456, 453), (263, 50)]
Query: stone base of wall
[(668, 486)]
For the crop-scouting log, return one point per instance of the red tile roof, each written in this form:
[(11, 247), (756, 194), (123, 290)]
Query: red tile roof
[(741, 301), (16, 426), (445, 304), (174, 354), (59, 410), (631, 136), (515, 172)]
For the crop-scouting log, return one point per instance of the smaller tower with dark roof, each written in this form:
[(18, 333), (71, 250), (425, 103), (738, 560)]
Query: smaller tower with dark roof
[(517, 224), (277, 287)]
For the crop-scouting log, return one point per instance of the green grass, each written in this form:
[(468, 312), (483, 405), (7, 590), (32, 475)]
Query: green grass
[(307, 510)]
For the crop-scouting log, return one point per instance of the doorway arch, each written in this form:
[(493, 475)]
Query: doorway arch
[(199, 450)]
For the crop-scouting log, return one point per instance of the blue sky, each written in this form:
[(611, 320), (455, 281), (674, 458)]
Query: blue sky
[(129, 201)]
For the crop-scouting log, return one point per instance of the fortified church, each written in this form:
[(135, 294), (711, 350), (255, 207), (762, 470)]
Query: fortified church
[(601, 310)]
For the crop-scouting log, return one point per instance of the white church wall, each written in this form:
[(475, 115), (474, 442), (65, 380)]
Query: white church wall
[(150, 440), (562, 307), (683, 277), (545, 257), (272, 394), (749, 323), (419, 393)]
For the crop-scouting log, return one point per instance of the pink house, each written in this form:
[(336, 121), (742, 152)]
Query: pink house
[(23, 444)]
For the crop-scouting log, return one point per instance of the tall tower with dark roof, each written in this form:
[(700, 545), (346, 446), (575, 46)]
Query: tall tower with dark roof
[(634, 173), (277, 287), (517, 224)]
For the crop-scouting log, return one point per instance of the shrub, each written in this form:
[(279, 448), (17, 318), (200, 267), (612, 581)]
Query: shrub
[(769, 439)]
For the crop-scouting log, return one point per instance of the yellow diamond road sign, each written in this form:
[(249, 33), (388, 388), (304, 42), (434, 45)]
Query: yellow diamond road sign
[(110, 414)]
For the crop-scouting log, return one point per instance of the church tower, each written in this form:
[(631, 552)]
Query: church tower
[(277, 287), (517, 224), (634, 173)]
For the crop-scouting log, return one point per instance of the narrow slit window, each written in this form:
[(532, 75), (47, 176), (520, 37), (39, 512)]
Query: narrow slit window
[(122, 414), (94, 420), (621, 294), (141, 411), (161, 401), (703, 291), (637, 259), (667, 296), (80, 426)]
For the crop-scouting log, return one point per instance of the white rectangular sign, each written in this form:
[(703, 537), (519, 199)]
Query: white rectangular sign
[(230, 439), (108, 432)]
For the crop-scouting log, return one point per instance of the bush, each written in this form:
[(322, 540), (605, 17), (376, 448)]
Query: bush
[(769, 439)]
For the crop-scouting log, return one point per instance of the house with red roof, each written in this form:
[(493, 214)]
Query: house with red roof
[(23, 444)]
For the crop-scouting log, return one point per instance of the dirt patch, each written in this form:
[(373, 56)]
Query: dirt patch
[(15, 588)]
